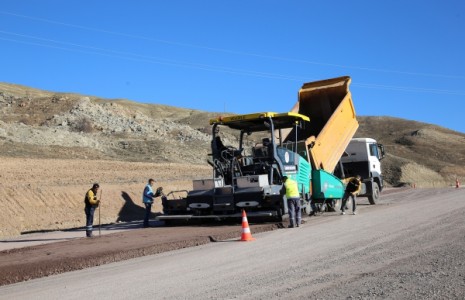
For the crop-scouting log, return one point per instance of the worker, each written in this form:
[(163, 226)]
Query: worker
[(219, 150), (267, 147), (91, 203), (147, 198), (293, 202), (354, 185), (217, 144), (313, 208)]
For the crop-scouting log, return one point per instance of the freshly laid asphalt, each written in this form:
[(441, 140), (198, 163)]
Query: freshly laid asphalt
[(46, 237)]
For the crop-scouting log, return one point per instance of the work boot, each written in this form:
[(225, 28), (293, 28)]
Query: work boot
[(88, 233)]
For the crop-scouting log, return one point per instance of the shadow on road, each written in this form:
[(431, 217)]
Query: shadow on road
[(130, 216), (130, 211)]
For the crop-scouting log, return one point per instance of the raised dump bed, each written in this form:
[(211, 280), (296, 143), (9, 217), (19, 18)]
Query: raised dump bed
[(328, 104)]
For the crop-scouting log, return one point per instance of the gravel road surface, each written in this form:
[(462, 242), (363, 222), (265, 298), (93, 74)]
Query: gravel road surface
[(409, 246)]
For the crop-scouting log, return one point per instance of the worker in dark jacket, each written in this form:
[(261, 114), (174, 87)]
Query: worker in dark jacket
[(147, 198), (217, 144), (353, 187), (293, 202), (91, 203)]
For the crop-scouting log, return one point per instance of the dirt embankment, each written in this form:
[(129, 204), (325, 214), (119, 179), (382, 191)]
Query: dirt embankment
[(47, 194)]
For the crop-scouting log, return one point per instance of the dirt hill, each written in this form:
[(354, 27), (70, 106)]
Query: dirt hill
[(418, 153), (55, 145)]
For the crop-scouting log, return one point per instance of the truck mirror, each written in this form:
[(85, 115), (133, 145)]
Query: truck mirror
[(381, 148)]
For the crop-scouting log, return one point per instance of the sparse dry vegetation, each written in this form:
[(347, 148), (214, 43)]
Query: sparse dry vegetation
[(83, 125)]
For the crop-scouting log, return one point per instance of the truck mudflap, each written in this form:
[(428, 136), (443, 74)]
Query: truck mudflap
[(218, 217)]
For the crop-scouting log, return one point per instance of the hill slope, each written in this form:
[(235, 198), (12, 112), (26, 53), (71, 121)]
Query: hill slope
[(422, 154), (41, 124)]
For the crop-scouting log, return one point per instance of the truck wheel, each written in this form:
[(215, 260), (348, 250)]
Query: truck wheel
[(374, 194)]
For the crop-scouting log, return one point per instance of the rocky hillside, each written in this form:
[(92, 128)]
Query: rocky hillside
[(54, 125), (41, 124)]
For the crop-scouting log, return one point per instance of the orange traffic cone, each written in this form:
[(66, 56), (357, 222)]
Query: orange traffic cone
[(246, 235), (457, 183)]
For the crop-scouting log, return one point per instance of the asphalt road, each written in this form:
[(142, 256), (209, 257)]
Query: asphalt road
[(409, 246), (42, 238)]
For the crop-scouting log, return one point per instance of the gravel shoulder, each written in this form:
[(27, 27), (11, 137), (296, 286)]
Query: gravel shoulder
[(409, 246), (71, 253)]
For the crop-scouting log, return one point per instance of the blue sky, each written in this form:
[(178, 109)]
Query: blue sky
[(406, 58)]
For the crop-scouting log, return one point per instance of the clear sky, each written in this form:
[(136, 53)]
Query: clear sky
[(406, 58)]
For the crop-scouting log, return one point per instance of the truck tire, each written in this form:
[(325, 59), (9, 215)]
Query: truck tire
[(374, 194)]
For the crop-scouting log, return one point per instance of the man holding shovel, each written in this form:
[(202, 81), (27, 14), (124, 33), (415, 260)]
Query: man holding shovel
[(91, 204)]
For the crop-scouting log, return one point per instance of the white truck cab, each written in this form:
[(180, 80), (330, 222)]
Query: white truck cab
[(362, 157)]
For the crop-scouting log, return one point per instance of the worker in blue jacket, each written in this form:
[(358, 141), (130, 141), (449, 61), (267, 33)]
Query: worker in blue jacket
[(147, 199)]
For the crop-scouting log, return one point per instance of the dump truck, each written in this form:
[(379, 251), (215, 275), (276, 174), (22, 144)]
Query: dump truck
[(329, 106), (304, 144)]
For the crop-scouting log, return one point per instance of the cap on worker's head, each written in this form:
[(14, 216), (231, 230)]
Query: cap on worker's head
[(284, 178), (95, 186)]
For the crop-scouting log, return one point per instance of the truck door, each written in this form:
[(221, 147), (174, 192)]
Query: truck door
[(374, 160)]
